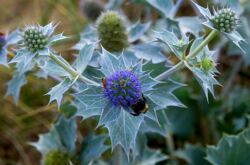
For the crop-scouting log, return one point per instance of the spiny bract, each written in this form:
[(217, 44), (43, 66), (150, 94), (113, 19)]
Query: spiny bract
[(112, 31), (225, 20), (56, 157), (207, 64), (34, 39), (123, 88)]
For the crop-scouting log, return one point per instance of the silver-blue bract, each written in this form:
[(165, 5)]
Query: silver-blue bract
[(122, 126), (26, 57), (232, 34)]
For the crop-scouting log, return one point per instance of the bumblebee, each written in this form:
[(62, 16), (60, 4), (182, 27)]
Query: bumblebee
[(139, 107)]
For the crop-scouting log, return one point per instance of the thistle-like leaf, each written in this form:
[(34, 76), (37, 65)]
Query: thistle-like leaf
[(15, 84), (205, 76), (149, 52), (137, 30), (124, 130), (84, 57), (61, 136), (165, 7), (92, 148), (176, 45), (90, 102), (230, 150), (192, 154), (57, 92)]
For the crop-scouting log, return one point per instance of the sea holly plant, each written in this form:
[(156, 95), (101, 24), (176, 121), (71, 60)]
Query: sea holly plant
[(125, 84), (56, 148), (122, 79)]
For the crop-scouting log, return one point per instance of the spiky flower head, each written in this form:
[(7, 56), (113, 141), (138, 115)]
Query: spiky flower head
[(2, 40), (123, 88), (56, 157), (207, 64), (34, 39), (91, 9), (225, 20), (112, 31)]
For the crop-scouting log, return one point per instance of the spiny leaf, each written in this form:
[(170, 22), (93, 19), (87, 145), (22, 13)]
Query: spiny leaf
[(92, 148), (84, 57), (124, 130), (205, 78), (57, 92), (230, 150), (61, 136), (149, 52), (163, 6), (15, 84), (23, 60), (90, 102), (192, 154), (137, 30), (109, 63), (176, 45), (162, 95)]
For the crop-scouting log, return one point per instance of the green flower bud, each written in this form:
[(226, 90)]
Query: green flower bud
[(34, 39), (225, 20), (91, 9), (112, 32), (207, 64), (58, 157)]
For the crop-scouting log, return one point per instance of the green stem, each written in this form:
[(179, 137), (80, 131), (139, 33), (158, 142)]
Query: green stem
[(180, 65), (117, 158), (71, 71), (170, 146)]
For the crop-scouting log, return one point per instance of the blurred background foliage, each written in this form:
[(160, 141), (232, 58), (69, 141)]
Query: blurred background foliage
[(201, 123)]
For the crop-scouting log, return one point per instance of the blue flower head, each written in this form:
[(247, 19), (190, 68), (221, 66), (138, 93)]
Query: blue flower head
[(2, 41), (125, 83), (123, 88)]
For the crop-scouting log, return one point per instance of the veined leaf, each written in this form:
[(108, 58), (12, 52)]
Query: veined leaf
[(90, 102), (149, 52), (57, 92), (137, 30), (15, 84), (163, 6), (124, 130), (193, 155), (61, 136), (84, 57), (92, 148), (230, 150)]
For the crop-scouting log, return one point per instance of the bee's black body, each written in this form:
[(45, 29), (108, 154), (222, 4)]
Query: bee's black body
[(140, 106)]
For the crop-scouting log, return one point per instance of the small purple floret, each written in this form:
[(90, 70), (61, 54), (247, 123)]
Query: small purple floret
[(2, 41), (123, 88)]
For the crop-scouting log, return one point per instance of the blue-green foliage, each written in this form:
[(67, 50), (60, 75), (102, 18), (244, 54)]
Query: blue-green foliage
[(145, 56)]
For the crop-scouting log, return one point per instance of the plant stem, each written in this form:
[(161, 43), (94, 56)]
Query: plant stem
[(232, 77), (180, 65), (117, 159), (71, 71), (170, 146)]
